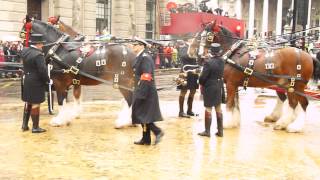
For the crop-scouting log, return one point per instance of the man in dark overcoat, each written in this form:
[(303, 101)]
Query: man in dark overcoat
[(211, 79), (34, 82), (192, 82), (145, 107)]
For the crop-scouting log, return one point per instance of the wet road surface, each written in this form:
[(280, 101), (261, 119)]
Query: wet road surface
[(91, 148)]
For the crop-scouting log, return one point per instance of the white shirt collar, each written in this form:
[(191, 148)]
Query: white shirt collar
[(34, 47)]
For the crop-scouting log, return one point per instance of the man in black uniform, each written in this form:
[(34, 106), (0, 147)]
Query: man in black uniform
[(211, 79), (192, 82), (145, 107), (34, 82)]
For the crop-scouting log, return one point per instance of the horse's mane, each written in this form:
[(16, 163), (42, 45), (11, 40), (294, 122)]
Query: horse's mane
[(49, 28), (227, 35)]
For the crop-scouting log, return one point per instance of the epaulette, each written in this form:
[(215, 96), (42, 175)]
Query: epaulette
[(144, 54)]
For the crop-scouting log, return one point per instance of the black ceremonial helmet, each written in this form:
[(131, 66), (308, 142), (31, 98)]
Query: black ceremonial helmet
[(215, 49), (36, 39)]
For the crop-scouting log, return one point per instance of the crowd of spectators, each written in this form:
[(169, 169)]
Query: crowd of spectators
[(9, 52), (167, 56)]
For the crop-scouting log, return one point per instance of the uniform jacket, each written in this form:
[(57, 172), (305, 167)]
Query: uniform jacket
[(35, 76), (192, 79), (212, 82), (145, 107)]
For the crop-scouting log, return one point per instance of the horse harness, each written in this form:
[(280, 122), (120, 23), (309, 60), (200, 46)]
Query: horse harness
[(269, 66), (76, 70)]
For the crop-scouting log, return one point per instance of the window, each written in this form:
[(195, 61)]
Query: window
[(150, 18), (103, 16)]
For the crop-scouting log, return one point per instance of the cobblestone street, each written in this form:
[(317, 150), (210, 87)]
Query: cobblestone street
[(91, 148)]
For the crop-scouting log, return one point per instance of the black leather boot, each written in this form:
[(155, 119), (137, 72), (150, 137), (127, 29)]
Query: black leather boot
[(181, 113), (146, 138), (219, 124), (207, 124), (156, 131), (35, 120), (26, 117), (190, 101)]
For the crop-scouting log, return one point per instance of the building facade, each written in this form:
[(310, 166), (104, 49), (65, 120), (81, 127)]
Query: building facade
[(122, 18), (127, 18)]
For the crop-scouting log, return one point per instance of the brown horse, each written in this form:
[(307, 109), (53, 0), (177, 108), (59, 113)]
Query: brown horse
[(104, 63), (122, 120), (289, 68)]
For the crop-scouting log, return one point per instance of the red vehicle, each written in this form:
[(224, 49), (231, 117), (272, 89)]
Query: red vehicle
[(185, 23)]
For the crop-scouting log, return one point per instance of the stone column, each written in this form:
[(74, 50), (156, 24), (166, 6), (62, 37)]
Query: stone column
[(279, 18), (238, 9), (265, 15), (251, 19), (309, 14)]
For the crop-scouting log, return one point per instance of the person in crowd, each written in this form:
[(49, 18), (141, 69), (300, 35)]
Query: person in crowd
[(192, 82), (211, 79), (34, 82), (145, 106)]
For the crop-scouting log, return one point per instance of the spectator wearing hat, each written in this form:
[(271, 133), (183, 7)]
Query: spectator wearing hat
[(145, 105), (34, 82), (211, 79)]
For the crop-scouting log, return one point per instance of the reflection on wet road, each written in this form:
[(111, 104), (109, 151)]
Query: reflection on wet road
[(90, 148)]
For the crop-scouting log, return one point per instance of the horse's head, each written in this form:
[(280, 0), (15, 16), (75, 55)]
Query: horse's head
[(211, 33)]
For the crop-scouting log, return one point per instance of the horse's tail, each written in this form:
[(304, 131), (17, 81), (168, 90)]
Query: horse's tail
[(316, 69)]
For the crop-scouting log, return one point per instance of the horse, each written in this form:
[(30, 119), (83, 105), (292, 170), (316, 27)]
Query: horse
[(288, 68), (102, 63), (123, 118)]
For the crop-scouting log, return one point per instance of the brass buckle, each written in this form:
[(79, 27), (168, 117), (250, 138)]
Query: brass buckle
[(74, 70), (292, 82), (248, 71), (75, 81), (245, 83), (116, 86)]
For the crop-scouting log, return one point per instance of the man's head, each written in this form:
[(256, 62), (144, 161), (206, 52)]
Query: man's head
[(37, 40), (138, 45), (215, 49)]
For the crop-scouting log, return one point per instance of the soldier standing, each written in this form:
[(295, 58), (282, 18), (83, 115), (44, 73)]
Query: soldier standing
[(211, 79), (145, 106), (34, 82)]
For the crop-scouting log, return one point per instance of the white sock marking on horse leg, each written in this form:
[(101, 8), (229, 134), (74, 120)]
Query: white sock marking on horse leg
[(124, 116), (231, 118), (276, 112), (298, 124), (77, 108), (286, 118), (58, 120)]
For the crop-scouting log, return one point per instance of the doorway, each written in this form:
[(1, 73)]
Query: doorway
[(34, 9)]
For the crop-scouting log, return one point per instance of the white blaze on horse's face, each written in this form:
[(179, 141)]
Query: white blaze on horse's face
[(202, 43)]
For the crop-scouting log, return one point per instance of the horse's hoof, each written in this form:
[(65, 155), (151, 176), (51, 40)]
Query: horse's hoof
[(293, 128), (269, 119), (55, 124), (119, 127), (68, 123), (278, 127), (229, 125)]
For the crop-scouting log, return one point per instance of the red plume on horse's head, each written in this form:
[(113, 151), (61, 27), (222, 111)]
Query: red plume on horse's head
[(54, 20), (214, 27)]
